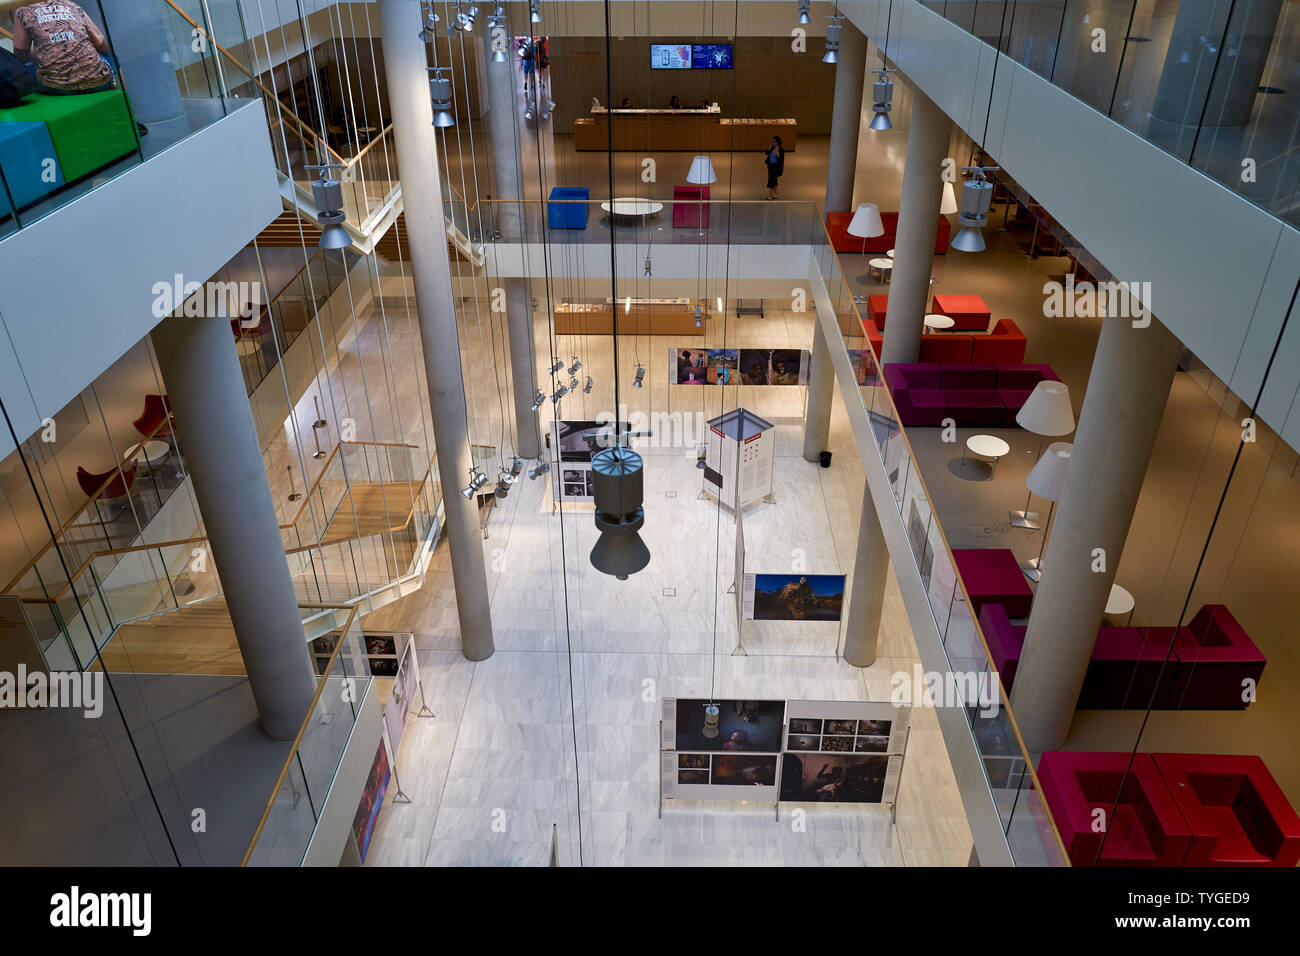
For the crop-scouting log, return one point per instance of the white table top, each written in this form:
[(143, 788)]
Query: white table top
[(990, 446), (1120, 601), (936, 321), (632, 207), (890, 253), (152, 451), (881, 263)]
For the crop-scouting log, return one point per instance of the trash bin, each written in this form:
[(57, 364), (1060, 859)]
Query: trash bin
[(825, 459)]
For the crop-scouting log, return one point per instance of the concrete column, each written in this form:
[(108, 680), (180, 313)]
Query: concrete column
[(215, 427), (1122, 409), (846, 118), (405, 63), (867, 593), (506, 174), (821, 389), (928, 134), (139, 38), (1198, 42)]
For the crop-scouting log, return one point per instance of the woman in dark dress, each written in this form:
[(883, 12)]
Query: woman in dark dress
[(775, 162)]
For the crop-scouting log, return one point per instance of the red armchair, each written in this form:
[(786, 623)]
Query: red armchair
[(1236, 812), (116, 489), (156, 411), (691, 207), (1216, 657), (837, 227), (876, 306), (1005, 345), (1140, 822)]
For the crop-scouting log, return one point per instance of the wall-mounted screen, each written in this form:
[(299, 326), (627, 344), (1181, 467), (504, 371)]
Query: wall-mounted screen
[(670, 56), (711, 56)]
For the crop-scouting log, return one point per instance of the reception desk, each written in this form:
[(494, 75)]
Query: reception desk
[(646, 317), (678, 131)]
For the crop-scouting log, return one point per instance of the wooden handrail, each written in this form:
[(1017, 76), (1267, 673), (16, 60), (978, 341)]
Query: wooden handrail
[(306, 721)]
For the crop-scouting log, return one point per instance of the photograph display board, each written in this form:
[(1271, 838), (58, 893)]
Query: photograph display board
[(401, 696), (843, 751), (572, 445), (794, 597), (372, 800), (839, 778), (693, 365), (738, 458), (738, 762)]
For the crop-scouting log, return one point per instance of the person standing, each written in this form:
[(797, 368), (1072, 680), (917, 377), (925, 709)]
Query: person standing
[(775, 162)]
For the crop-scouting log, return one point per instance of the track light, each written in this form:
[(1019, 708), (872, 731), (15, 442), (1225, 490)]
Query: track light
[(805, 7), (504, 481), (647, 267), (640, 376), (882, 94), (476, 481), (587, 388), (618, 487), (463, 20), (538, 399), (573, 384), (557, 366), (559, 394), (440, 94), (328, 195), (573, 369), (516, 466), (833, 31), (533, 14), (976, 198), (699, 316), (498, 40), (431, 21), (541, 468), (701, 453)]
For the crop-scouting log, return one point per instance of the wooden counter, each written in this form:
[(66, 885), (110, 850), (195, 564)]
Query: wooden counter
[(679, 131), (643, 319)]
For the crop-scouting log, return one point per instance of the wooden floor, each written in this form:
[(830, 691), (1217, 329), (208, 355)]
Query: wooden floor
[(378, 507), (192, 640)]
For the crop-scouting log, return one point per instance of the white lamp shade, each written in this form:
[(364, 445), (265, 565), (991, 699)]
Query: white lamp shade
[(1047, 478), (701, 173), (948, 205), (1047, 411), (866, 221)]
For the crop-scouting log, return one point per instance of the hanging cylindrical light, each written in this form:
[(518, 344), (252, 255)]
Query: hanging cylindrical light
[(882, 95), (976, 198), (533, 14), (440, 94), (805, 7), (639, 381), (618, 488), (833, 31), (498, 35), (711, 712), (327, 192)]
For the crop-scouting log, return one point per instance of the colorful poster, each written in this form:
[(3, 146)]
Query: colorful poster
[(773, 367), (836, 777), (372, 800), (743, 725), (798, 597)]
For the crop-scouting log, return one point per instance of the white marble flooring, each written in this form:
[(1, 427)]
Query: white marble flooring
[(583, 661)]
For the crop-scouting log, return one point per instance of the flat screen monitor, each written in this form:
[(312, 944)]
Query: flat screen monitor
[(711, 56), (670, 56)]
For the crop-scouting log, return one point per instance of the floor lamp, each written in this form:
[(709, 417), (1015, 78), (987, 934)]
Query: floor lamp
[(1048, 414), (1046, 479), (867, 224), (701, 174)]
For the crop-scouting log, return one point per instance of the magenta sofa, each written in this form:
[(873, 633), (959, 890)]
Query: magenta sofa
[(992, 576), (972, 395), (1133, 667), (1142, 825)]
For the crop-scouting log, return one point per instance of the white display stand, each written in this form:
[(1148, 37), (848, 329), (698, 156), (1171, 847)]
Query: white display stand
[(738, 459)]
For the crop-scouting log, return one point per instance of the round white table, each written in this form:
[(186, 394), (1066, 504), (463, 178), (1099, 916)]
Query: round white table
[(890, 253), (1119, 602), (986, 446), (150, 452), (883, 265), (632, 208), (939, 322)]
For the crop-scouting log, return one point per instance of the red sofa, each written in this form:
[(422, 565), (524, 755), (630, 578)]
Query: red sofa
[(837, 227), (1236, 812), (1005, 345), (691, 207), (972, 395), (1133, 667), (1141, 822)]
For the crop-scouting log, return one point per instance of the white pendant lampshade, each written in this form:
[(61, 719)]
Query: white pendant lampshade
[(701, 173), (1047, 478), (866, 221), (1047, 411), (948, 205)]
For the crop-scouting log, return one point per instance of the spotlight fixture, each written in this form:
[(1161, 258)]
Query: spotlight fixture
[(476, 481), (538, 399), (504, 481), (833, 31), (440, 94), (498, 40), (586, 389), (701, 453), (557, 366), (573, 384), (882, 95), (647, 267), (463, 20), (559, 394), (516, 466), (618, 488), (430, 29), (541, 468), (573, 369), (328, 195), (976, 198), (805, 7), (699, 316), (640, 376), (533, 14), (711, 712)]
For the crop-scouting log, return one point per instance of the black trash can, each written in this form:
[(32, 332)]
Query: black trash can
[(825, 459)]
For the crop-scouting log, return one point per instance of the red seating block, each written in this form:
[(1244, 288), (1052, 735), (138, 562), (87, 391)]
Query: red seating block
[(837, 227), (876, 305), (691, 207), (992, 576), (968, 311)]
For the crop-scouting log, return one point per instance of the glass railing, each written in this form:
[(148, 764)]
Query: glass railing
[(1029, 830), (298, 797), (1210, 83), (145, 77)]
